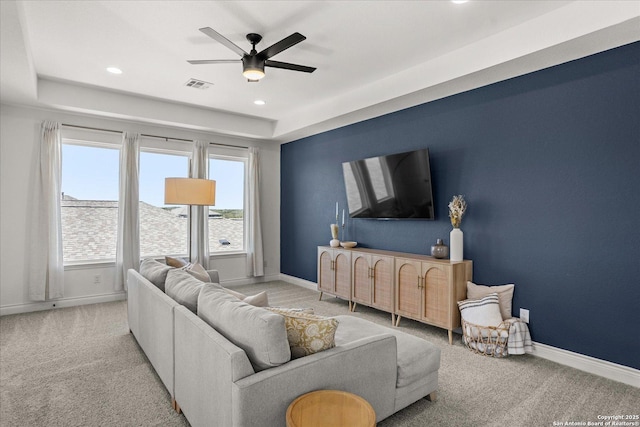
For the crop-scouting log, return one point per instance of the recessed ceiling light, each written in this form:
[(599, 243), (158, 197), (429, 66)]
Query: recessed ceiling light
[(459, 1), (259, 102), (114, 70)]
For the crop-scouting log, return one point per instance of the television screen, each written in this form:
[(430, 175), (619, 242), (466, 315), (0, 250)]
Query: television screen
[(396, 186)]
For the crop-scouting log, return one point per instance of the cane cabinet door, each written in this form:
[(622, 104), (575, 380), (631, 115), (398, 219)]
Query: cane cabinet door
[(342, 267), (361, 278), (437, 295), (326, 273), (382, 282), (408, 288)]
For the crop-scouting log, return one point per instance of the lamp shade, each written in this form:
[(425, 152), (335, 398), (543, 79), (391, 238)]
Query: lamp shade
[(189, 191)]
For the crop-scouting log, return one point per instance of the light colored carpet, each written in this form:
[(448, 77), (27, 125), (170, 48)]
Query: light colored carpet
[(80, 366)]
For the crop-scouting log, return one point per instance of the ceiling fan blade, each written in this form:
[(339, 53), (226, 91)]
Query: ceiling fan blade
[(223, 40), (288, 66), (283, 44), (213, 61)]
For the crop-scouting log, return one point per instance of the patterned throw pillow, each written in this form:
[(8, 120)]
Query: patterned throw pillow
[(307, 333)]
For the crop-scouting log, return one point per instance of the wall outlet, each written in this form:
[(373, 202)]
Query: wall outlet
[(524, 315), (97, 279)]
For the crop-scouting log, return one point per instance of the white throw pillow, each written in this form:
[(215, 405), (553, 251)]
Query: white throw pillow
[(197, 271), (258, 300), (481, 312), (505, 296)]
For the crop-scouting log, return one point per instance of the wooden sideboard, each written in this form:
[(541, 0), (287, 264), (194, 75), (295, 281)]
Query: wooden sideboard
[(418, 287)]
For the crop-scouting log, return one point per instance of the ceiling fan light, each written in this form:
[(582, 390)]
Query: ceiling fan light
[(253, 73)]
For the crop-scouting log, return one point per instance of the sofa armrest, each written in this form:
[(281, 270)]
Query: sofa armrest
[(366, 367), (206, 364), (214, 276)]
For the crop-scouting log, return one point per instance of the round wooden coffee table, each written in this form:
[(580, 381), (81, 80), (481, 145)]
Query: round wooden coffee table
[(334, 408)]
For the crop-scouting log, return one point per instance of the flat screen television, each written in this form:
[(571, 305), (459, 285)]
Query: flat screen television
[(395, 186)]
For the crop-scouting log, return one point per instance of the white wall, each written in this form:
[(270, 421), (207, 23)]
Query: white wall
[(19, 136)]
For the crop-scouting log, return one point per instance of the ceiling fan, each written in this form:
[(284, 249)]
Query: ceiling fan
[(253, 63)]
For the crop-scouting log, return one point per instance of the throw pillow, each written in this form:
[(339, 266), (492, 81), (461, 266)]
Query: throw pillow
[(235, 294), (197, 271), (308, 333), (175, 262), (258, 300), (505, 296), (184, 288), (260, 333), (155, 272), (481, 312)]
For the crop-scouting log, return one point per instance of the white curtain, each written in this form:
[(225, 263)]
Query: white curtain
[(255, 256), (199, 239), (128, 243), (46, 277)]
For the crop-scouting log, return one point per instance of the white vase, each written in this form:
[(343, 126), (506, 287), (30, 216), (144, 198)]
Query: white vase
[(334, 243), (456, 245)]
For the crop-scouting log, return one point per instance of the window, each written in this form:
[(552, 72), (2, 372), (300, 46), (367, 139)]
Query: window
[(226, 218), (89, 204), (163, 229)]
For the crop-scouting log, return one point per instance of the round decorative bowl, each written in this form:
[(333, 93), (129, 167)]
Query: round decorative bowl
[(348, 244)]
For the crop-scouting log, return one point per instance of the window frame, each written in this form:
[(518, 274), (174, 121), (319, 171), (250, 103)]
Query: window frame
[(171, 152), (219, 154), (86, 142), (113, 141)]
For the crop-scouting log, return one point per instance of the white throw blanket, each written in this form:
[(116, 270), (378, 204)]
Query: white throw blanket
[(519, 337)]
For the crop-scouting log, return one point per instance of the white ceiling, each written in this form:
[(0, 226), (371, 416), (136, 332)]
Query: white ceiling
[(372, 57)]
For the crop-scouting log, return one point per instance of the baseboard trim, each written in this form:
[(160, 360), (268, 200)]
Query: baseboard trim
[(60, 303), (603, 368), (299, 282)]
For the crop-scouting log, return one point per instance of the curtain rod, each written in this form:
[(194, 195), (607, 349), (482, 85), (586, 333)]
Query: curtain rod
[(166, 138)]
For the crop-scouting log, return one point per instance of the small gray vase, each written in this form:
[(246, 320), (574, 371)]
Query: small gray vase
[(439, 250)]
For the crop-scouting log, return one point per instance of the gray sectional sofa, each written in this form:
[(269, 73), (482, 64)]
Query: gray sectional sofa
[(215, 382)]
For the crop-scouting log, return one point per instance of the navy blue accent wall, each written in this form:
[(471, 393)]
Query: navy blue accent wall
[(549, 164)]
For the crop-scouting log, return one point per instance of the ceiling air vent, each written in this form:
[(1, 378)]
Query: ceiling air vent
[(198, 84)]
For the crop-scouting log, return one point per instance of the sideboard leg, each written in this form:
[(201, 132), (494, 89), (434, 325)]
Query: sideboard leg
[(175, 406), (450, 337), (398, 320), (353, 307), (320, 299), (393, 319)]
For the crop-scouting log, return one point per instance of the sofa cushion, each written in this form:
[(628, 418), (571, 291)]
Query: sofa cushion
[(505, 296), (155, 272), (307, 333), (259, 332), (416, 357), (184, 288)]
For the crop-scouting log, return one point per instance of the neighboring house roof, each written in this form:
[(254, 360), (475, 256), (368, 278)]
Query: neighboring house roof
[(89, 230), (183, 211)]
